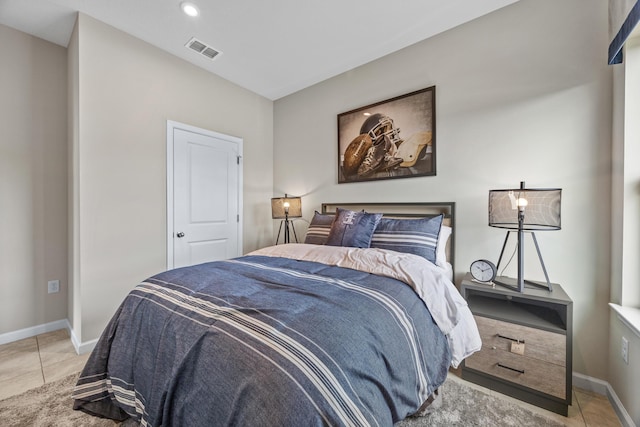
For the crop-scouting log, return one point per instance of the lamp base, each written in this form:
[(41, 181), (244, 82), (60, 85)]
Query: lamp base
[(512, 283), (288, 225), (520, 283)]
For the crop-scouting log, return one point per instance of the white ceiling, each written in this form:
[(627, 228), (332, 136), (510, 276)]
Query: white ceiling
[(271, 47)]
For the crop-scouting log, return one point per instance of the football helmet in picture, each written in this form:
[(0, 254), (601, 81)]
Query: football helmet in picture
[(378, 125)]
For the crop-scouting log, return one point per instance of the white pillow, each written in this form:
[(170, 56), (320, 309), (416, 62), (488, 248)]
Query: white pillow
[(441, 251)]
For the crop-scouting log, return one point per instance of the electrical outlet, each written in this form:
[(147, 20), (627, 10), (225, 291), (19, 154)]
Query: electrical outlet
[(53, 286), (625, 350)]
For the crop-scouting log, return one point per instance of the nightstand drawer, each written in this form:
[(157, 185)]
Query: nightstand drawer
[(538, 344), (536, 374)]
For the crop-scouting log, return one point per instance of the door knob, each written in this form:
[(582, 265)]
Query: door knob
[(180, 234)]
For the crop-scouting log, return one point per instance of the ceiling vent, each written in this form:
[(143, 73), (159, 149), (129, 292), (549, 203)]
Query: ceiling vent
[(202, 48)]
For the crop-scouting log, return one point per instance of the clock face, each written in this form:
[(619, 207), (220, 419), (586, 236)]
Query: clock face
[(483, 270)]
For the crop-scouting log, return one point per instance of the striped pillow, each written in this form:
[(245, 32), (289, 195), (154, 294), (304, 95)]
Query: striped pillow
[(414, 236), (318, 231)]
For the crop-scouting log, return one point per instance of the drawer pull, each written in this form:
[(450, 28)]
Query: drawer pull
[(509, 338), (500, 365)]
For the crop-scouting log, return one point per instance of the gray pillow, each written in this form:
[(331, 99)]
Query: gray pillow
[(319, 229), (414, 236), (352, 228)]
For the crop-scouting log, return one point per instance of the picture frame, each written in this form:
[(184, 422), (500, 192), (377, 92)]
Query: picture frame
[(394, 138)]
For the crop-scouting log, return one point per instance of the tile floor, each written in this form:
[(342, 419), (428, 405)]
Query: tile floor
[(31, 362)]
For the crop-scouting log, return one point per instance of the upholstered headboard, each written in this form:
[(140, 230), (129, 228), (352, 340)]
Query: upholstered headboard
[(408, 210)]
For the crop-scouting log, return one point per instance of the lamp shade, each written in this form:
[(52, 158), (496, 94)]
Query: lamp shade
[(286, 207), (540, 208)]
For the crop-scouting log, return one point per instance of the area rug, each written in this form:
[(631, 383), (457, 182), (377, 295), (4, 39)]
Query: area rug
[(466, 405), (462, 405)]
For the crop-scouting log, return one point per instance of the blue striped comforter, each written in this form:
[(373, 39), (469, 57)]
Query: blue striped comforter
[(265, 341)]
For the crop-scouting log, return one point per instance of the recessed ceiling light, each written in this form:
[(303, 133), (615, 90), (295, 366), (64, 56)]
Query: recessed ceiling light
[(189, 8)]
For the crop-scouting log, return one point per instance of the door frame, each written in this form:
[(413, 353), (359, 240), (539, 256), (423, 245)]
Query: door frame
[(171, 126)]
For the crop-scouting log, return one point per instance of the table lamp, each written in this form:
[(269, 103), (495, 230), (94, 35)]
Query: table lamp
[(524, 209), (284, 208)]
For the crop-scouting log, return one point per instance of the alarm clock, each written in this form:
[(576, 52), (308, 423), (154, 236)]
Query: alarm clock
[(483, 271)]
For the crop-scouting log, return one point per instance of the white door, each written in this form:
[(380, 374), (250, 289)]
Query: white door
[(206, 197)]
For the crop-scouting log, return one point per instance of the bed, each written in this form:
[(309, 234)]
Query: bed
[(353, 327)]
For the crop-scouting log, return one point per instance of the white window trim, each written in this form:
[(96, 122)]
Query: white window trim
[(630, 316)]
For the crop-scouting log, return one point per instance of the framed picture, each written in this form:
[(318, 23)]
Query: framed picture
[(395, 138)]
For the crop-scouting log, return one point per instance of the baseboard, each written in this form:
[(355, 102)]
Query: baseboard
[(591, 384), (603, 388), (33, 331), (81, 347)]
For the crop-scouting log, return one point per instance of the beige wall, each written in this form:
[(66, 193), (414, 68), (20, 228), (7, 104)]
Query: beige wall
[(625, 377), (33, 210), (127, 91), (523, 93)]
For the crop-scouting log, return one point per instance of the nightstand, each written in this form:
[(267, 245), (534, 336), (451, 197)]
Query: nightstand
[(526, 343)]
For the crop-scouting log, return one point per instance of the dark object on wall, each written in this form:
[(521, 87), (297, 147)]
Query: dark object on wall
[(624, 15), (394, 138)]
